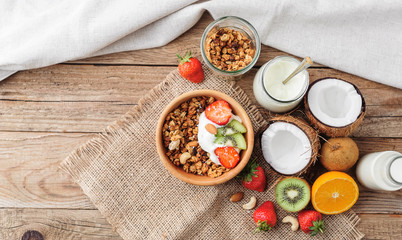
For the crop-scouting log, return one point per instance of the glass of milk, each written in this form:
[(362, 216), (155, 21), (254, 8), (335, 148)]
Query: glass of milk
[(269, 90)]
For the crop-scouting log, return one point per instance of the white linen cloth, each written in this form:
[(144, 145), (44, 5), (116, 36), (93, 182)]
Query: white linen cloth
[(359, 37)]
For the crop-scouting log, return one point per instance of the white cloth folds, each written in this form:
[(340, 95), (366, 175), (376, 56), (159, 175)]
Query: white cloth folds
[(359, 37)]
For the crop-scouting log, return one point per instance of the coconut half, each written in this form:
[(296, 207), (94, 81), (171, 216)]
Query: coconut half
[(289, 145), (335, 107)]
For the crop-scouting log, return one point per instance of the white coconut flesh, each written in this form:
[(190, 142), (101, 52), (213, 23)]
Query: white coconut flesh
[(286, 148), (334, 102)]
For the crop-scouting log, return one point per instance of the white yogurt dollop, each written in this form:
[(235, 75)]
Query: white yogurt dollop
[(206, 139)]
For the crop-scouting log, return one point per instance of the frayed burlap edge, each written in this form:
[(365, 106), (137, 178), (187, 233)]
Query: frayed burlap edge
[(354, 219)]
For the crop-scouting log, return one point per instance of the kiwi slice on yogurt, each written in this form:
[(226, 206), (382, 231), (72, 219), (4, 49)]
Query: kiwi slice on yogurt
[(235, 140), (292, 194), (232, 127)]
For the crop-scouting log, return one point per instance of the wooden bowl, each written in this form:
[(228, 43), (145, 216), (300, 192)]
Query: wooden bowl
[(191, 178)]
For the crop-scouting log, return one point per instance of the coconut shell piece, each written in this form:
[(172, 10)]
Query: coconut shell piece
[(331, 131), (311, 133)]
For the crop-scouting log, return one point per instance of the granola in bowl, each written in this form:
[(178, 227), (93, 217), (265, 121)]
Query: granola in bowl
[(180, 139), (200, 111), (204, 137)]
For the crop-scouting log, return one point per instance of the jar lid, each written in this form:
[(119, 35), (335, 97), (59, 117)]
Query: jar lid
[(395, 170)]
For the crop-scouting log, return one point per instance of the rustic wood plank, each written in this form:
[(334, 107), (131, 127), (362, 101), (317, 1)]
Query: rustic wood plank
[(369, 145), (378, 201), (380, 226), (56, 224), (69, 83), (379, 127), (89, 224), (166, 55), (59, 116), (30, 177), (87, 98)]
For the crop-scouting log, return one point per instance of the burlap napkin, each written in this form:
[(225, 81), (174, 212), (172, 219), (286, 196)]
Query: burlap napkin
[(121, 173)]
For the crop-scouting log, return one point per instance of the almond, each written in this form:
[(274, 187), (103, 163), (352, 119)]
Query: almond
[(193, 144), (211, 128), (236, 197)]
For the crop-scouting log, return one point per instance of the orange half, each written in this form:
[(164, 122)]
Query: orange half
[(334, 192)]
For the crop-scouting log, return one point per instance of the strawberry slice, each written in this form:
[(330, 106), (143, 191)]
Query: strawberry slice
[(227, 156), (219, 112)]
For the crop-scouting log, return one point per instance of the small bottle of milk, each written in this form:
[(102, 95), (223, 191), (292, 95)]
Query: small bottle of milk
[(380, 171), (269, 90)]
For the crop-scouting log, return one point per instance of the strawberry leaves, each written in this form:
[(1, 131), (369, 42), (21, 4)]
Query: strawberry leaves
[(318, 227), (262, 226), (249, 171), (184, 59), (311, 222)]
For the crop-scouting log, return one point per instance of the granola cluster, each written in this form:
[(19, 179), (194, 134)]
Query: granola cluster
[(180, 139), (229, 49)]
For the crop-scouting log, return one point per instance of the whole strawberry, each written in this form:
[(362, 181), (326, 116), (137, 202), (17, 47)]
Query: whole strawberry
[(190, 68), (265, 217), (310, 221), (253, 177)]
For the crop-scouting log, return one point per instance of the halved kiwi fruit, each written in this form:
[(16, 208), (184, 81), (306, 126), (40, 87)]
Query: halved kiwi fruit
[(292, 194)]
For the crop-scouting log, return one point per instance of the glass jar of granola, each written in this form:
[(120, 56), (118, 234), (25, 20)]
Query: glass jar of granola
[(230, 46)]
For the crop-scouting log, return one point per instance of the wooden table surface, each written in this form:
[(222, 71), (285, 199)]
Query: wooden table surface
[(46, 113)]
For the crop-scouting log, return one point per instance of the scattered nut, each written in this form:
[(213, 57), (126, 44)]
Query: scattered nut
[(174, 145), (293, 221), (251, 204), (193, 144), (184, 156), (211, 129), (236, 197)]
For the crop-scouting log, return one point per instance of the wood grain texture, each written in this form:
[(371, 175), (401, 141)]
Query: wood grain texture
[(88, 98), (31, 178), (30, 175), (56, 224), (90, 225), (381, 226)]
